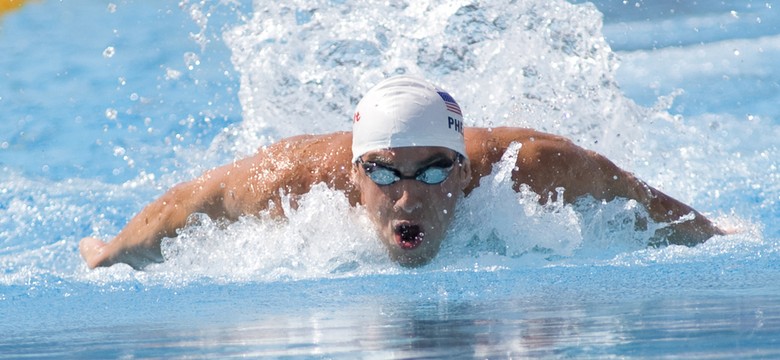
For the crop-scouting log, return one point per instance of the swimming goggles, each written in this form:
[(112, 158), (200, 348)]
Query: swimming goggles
[(432, 174)]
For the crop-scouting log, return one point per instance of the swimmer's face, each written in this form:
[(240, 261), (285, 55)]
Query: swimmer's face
[(411, 216)]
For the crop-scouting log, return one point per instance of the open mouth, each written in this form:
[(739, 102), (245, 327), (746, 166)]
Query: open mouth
[(408, 236)]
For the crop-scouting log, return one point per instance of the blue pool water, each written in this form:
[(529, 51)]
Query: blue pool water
[(104, 105)]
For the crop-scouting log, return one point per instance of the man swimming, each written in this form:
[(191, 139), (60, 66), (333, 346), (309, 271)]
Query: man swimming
[(408, 161)]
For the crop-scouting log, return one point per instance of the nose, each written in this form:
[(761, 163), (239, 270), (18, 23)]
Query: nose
[(408, 201)]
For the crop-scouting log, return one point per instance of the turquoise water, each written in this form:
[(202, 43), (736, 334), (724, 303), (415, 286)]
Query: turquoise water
[(105, 105)]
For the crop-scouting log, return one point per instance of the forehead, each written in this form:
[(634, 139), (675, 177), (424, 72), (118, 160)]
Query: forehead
[(416, 154)]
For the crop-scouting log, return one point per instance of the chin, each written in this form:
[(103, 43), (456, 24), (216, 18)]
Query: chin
[(415, 258)]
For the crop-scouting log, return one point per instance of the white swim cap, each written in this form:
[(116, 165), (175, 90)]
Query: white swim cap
[(406, 111)]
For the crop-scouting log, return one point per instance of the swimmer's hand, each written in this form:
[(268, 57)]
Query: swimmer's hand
[(97, 253), (729, 230)]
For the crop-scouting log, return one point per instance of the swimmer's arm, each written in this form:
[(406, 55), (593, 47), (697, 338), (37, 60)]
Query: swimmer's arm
[(686, 226), (558, 163), (218, 193), (245, 187)]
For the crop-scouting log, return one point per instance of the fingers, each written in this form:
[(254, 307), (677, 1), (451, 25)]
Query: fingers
[(94, 252), (97, 253), (729, 230)]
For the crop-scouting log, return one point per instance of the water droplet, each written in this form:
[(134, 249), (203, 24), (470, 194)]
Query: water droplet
[(191, 60), (109, 52), (172, 74), (111, 8), (449, 195), (111, 114)]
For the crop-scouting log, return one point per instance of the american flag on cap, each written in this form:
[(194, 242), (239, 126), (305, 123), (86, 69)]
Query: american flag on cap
[(450, 102)]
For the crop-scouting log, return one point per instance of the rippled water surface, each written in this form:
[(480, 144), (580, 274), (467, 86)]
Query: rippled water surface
[(105, 105)]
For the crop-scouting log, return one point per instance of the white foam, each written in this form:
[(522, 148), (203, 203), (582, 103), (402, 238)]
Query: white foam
[(540, 64)]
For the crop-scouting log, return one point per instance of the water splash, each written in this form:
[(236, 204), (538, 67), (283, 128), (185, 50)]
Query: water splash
[(304, 245), (303, 66), (546, 65)]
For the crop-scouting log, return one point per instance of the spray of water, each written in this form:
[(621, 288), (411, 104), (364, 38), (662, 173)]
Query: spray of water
[(303, 66)]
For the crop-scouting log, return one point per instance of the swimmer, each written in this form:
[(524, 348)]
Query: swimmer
[(408, 161)]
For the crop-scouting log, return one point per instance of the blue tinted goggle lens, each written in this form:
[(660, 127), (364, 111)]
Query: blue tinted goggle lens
[(383, 175)]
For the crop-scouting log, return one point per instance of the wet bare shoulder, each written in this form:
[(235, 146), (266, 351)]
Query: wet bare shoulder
[(486, 146), (290, 166)]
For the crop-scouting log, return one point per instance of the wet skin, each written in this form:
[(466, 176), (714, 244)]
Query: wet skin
[(410, 216), (405, 209)]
